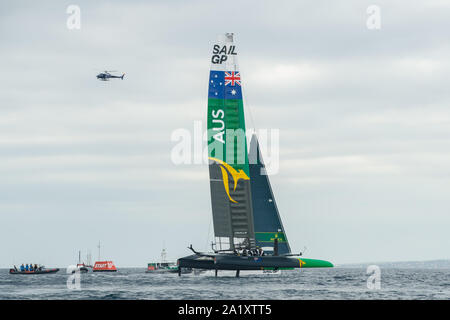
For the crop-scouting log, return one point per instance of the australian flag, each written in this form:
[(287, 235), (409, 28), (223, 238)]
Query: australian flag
[(225, 85)]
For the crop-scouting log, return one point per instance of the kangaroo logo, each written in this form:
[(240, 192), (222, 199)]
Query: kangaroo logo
[(301, 262), (237, 175)]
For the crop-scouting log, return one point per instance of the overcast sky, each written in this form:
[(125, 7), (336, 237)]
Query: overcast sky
[(364, 120)]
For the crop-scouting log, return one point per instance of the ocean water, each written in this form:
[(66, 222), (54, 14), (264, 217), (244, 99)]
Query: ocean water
[(134, 283)]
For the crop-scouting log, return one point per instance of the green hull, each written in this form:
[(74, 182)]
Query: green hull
[(308, 263), (314, 263), (238, 262)]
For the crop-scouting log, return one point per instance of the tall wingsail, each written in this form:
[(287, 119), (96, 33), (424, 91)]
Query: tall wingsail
[(267, 221), (227, 150)]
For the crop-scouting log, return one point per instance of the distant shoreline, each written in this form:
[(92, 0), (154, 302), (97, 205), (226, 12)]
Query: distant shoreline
[(428, 264)]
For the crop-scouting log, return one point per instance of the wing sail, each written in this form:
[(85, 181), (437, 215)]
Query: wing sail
[(267, 221), (227, 150)]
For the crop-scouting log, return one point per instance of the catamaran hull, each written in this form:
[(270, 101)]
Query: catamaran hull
[(230, 262), (196, 262)]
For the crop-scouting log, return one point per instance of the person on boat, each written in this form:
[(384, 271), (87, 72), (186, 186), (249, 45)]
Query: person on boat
[(22, 268), (26, 267), (31, 267), (35, 267)]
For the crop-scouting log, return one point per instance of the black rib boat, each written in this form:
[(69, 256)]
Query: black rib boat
[(43, 271)]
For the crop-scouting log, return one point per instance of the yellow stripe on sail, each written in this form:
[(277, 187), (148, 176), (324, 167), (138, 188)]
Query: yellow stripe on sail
[(237, 175), (225, 183)]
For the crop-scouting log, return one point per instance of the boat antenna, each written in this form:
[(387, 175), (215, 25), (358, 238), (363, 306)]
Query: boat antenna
[(88, 258), (98, 251), (163, 255)]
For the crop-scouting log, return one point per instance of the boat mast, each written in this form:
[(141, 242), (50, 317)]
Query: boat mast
[(88, 258), (227, 150), (163, 255), (98, 251)]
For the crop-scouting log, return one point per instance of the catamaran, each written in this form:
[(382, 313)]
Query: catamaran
[(249, 234)]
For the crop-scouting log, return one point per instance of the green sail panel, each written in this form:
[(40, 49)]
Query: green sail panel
[(227, 149)]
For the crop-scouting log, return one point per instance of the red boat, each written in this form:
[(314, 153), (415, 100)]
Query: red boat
[(104, 266)]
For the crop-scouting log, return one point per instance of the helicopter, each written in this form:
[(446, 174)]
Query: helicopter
[(106, 75)]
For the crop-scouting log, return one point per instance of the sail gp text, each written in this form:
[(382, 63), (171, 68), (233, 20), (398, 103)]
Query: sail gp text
[(225, 310), (221, 53)]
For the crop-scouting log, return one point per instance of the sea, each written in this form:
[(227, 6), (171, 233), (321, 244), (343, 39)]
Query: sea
[(133, 283)]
